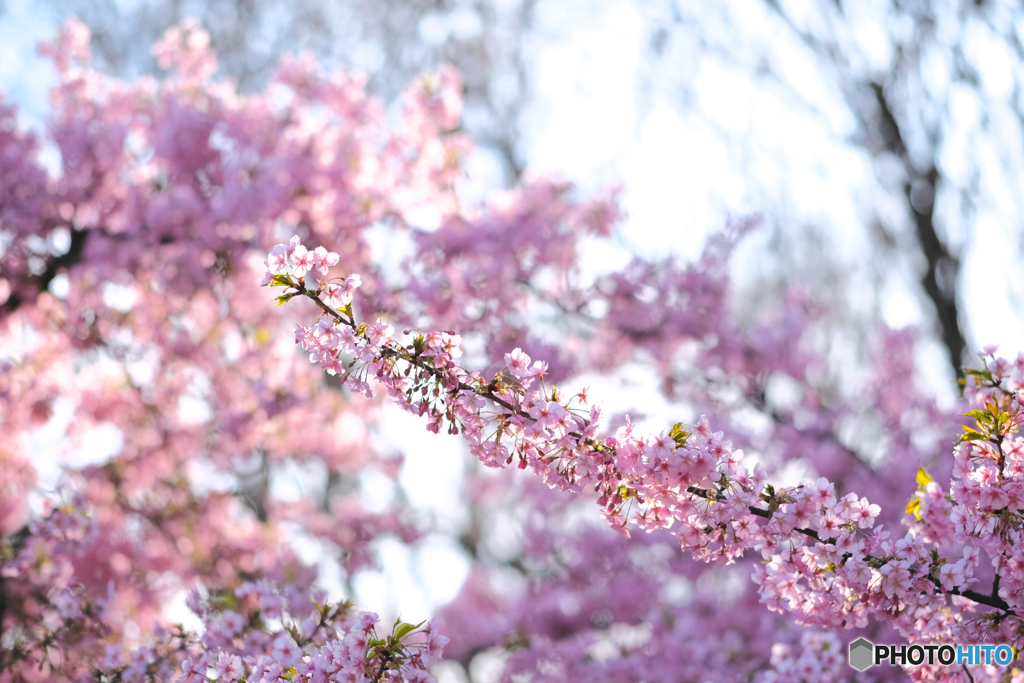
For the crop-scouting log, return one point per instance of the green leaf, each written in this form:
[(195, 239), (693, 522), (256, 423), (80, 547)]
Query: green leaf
[(973, 436), (977, 414), (678, 434), (405, 629), (285, 298), (923, 478), (281, 280), (914, 507)]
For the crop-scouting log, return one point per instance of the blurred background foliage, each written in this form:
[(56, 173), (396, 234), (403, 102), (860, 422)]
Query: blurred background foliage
[(882, 141), (908, 114)]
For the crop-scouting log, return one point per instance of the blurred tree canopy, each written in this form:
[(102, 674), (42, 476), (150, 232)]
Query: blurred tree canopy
[(932, 88)]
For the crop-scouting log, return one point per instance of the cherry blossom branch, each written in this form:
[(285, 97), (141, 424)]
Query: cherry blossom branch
[(691, 483)]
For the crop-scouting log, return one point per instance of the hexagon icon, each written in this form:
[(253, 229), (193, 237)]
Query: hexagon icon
[(862, 654)]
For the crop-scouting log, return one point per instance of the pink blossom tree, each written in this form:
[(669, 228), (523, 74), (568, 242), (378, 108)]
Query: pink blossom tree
[(131, 302)]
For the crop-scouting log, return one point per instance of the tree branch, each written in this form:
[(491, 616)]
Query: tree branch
[(940, 278), (34, 285)]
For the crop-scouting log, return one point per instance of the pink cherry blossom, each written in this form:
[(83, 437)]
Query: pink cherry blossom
[(229, 667), (302, 261), (173, 191), (322, 260)]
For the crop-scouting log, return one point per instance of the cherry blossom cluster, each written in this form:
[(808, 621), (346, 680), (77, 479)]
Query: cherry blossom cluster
[(598, 606), (827, 564), (38, 578), (250, 635), (819, 657), (257, 632), (982, 511), (167, 190)]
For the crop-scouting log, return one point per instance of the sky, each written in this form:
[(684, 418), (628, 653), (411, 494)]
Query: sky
[(741, 145)]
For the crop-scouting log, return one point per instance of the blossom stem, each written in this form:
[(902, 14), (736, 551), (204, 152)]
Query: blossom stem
[(394, 350)]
